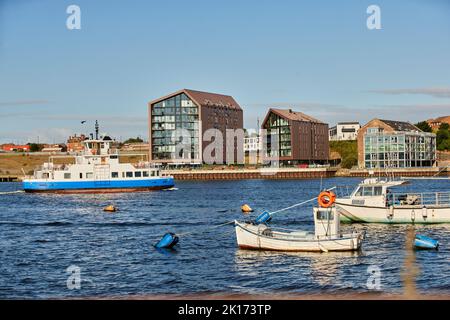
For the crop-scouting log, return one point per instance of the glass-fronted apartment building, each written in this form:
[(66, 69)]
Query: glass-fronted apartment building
[(178, 122), (177, 112), (295, 138), (394, 144)]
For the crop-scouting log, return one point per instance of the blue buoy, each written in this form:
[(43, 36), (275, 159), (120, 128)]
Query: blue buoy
[(263, 218), (167, 241), (423, 242)]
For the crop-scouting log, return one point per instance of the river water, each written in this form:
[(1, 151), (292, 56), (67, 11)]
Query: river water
[(42, 235)]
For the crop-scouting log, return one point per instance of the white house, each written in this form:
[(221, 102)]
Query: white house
[(344, 131)]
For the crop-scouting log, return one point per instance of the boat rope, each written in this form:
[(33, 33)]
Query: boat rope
[(199, 231), (12, 192), (298, 204), (442, 170)]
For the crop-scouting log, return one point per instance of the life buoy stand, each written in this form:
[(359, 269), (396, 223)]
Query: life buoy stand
[(326, 199)]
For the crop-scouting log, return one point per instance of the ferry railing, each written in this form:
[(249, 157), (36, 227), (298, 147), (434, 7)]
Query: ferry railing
[(419, 199)]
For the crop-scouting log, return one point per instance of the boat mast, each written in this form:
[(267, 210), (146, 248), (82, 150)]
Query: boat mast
[(96, 130)]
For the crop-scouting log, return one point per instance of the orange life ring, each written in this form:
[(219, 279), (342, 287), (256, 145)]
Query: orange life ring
[(326, 199)]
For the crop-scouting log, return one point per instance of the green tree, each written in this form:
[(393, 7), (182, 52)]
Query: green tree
[(443, 137), (134, 140), (424, 126), (34, 147), (348, 151)]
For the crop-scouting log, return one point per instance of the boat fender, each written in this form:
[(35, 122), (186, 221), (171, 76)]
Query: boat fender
[(167, 241), (390, 212), (424, 212), (326, 199), (263, 218)]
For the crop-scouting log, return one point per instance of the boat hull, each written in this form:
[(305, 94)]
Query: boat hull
[(350, 213), (97, 186), (249, 237)]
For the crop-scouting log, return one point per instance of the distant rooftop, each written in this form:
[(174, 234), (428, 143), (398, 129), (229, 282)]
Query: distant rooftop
[(348, 122), (400, 125), (294, 115), (205, 99)]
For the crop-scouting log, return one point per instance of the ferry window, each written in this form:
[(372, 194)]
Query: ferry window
[(377, 191), (45, 175), (145, 173), (102, 145), (66, 175), (81, 175), (129, 174), (359, 192), (368, 191), (114, 174), (138, 174), (153, 173), (89, 175)]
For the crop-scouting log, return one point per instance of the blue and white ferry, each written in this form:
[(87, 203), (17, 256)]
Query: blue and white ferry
[(96, 170)]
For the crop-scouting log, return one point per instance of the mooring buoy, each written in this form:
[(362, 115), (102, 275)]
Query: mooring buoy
[(246, 208), (424, 242), (263, 218), (110, 208), (167, 241)]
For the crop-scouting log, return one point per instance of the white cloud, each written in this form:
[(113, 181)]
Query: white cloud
[(437, 92)]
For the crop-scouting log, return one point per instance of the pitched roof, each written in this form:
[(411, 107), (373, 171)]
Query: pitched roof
[(294, 115), (212, 99), (443, 119), (400, 125), (205, 99)]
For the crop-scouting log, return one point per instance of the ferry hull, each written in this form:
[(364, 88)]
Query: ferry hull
[(350, 213), (96, 186)]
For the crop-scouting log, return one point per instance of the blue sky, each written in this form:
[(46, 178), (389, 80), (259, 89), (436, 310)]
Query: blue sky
[(317, 57)]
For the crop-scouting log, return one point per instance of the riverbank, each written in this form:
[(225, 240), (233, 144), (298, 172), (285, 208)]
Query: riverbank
[(14, 166)]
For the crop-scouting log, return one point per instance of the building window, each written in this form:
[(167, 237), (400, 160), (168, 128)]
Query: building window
[(390, 150), (278, 133)]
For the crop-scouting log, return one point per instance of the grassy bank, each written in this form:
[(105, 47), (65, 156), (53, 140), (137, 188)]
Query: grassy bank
[(348, 152), (13, 163)]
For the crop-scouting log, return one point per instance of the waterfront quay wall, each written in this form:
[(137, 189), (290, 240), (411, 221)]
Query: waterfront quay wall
[(404, 172), (263, 173), (4, 178), (285, 173)]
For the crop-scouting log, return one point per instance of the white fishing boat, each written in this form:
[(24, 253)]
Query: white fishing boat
[(327, 235), (374, 201)]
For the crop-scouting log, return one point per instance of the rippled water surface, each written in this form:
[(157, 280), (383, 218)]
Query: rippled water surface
[(42, 235)]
